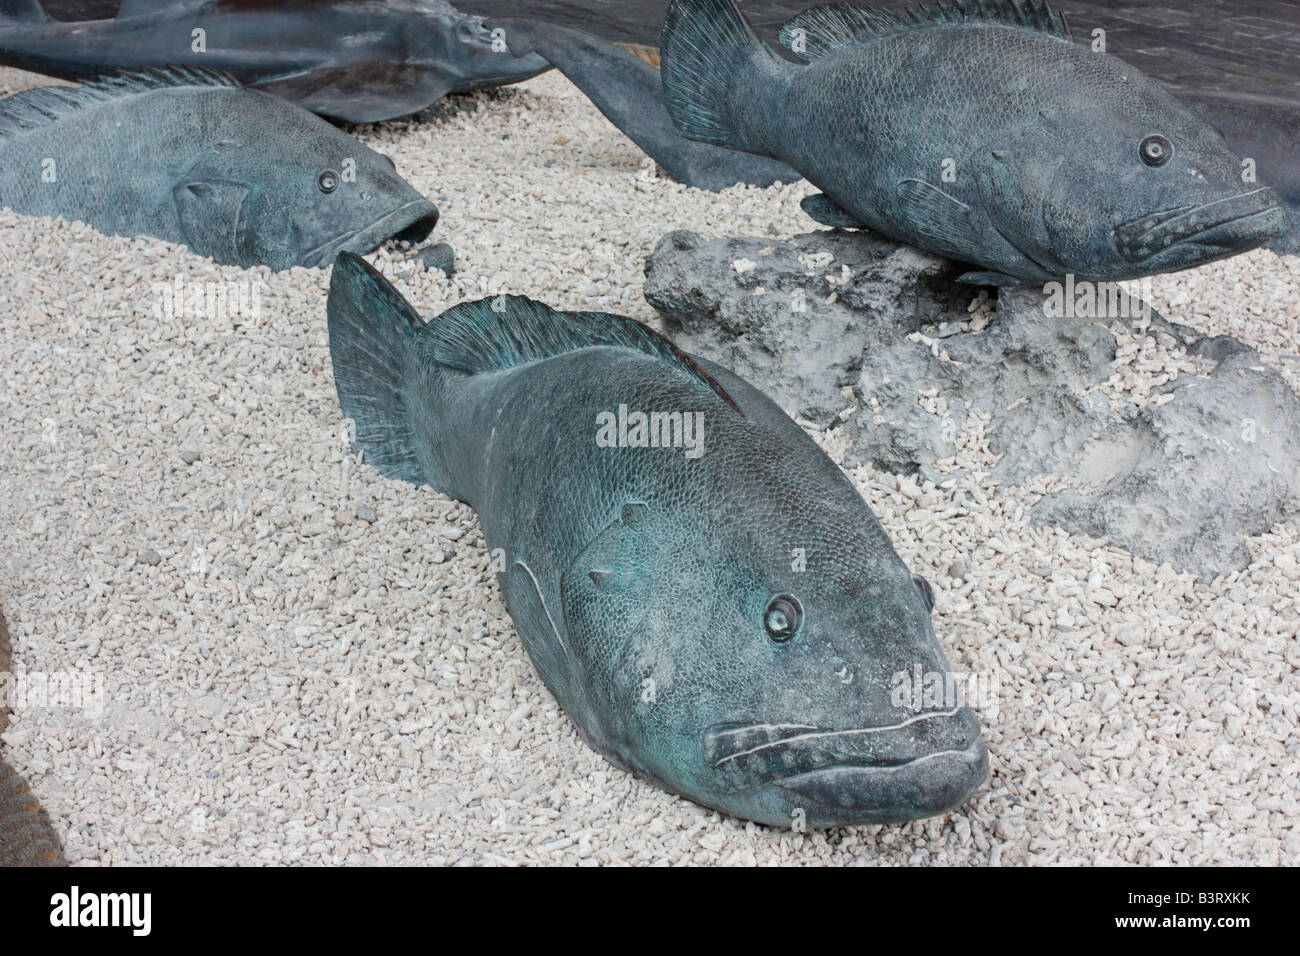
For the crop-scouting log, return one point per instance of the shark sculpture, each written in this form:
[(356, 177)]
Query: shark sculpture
[(362, 61)]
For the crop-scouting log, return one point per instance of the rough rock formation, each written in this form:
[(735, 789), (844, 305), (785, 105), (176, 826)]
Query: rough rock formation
[(1173, 463)]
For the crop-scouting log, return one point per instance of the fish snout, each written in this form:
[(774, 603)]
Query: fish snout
[(412, 221), (1216, 229), (917, 766)]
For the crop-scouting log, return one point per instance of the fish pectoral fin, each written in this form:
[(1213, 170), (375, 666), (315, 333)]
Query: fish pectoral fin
[(209, 215), (543, 635), (946, 223), (990, 278), (825, 210), (371, 94)]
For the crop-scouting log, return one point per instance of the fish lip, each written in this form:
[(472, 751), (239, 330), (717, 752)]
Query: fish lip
[(784, 735), (756, 755), (413, 220), (925, 786), (1222, 226)]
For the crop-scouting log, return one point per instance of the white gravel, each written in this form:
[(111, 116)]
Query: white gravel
[(304, 662)]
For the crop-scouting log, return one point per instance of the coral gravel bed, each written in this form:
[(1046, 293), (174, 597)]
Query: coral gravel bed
[(279, 656)]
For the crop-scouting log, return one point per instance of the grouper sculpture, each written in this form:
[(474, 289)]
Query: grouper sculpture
[(700, 587), (628, 92), (975, 129), (362, 61), (188, 156)]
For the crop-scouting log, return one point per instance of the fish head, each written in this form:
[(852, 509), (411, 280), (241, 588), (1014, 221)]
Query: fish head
[(1115, 179), (298, 200), (750, 652)]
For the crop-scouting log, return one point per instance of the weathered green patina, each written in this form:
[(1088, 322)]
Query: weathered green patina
[(718, 612), (975, 130)]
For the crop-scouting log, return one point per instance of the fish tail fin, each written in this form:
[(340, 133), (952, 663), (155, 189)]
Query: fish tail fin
[(373, 335), (707, 52), (27, 11)]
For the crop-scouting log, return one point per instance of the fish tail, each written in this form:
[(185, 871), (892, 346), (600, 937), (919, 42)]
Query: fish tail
[(28, 11), (709, 54), (373, 333)]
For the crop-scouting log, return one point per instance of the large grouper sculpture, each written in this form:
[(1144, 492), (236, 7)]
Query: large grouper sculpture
[(189, 156), (975, 129), (701, 588), (362, 61)]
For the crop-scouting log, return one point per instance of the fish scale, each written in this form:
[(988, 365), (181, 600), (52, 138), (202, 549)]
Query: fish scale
[(189, 156), (975, 130), (642, 581)]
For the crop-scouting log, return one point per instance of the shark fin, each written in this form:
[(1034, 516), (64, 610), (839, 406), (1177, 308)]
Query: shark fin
[(829, 213), (25, 11), (822, 30), (492, 334)]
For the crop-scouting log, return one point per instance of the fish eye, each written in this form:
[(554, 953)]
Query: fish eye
[(782, 617), (1156, 150), (328, 181)]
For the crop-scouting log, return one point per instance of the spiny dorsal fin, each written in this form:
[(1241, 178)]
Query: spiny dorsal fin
[(511, 330), (49, 104), (818, 31)]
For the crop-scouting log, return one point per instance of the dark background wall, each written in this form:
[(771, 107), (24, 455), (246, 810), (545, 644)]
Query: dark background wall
[(1244, 45)]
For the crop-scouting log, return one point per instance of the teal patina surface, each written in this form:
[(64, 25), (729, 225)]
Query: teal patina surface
[(722, 615), (189, 156), (975, 130)]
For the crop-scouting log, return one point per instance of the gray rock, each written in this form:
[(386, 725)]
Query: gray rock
[(775, 314), (1179, 482), (150, 557), (438, 256)]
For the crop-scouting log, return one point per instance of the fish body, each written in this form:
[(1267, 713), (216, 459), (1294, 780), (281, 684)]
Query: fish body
[(362, 62), (190, 157), (627, 90), (975, 130), (720, 614)]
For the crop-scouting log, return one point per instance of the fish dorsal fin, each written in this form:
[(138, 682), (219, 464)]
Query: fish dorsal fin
[(44, 105), (821, 30), (510, 330)]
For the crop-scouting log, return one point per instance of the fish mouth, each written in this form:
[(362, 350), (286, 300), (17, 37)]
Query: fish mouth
[(412, 222), (925, 764), (924, 787), (1217, 229)]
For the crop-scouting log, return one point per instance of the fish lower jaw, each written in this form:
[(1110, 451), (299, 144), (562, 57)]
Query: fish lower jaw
[(852, 795), (414, 221), (781, 773), (1195, 235)]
